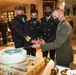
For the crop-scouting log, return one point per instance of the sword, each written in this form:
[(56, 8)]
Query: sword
[(26, 47)]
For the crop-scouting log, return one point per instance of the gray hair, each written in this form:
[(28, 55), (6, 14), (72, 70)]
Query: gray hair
[(59, 10)]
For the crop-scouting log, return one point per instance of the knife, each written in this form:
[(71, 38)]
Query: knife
[(27, 47)]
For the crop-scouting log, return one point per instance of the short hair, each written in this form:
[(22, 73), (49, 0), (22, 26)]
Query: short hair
[(59, 10), (48, 5), (19, 7), (34, 11)]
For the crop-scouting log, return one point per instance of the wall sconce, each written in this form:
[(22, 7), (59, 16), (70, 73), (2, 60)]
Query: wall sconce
[(63, 4)]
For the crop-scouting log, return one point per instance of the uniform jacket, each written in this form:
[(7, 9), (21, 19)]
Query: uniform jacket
[(32, 29), (18, 30), (48, 29), (62, 43)]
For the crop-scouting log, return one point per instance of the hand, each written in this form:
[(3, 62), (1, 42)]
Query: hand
[(36, 46), (35, 41), (42, 41)]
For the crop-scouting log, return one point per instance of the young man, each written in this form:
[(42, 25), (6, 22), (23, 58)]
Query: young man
[(32, 29), (18, 24), (62, 43), (48, 30)]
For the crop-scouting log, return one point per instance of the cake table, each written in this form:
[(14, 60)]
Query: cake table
[(31, 66)]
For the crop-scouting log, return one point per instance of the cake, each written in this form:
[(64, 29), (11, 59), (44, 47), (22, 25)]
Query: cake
[(13, 56)]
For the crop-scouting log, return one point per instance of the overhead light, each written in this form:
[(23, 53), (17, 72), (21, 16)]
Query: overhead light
[(63, 4), (60, 0)]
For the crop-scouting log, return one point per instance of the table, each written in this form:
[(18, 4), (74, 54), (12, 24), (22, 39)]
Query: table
[(24, 68)]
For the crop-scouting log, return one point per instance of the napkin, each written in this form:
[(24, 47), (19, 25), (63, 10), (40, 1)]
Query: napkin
[(48, 68)]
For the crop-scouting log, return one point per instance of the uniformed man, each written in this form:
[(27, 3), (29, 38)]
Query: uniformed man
[(48, 29), (32, 29), (18, 24), (62, 43)]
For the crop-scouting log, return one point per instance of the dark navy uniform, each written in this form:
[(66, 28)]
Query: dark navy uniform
[(48, 30), (18, 24), (32, 29)]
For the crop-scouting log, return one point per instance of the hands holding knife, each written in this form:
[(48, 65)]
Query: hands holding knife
[(37, 43)]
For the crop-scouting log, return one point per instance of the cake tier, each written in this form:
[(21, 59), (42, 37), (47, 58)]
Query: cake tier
[(13, 56)]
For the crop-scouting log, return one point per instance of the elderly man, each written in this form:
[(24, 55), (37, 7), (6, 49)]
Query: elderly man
[(62, 43)]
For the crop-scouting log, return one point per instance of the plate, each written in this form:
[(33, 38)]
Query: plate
[(61, 68), (71, 72)]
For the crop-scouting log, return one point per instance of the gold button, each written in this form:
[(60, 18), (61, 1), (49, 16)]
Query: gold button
[(33, 34), (48, 34), (45, 38), (48, 29), (44, 29), (31, 28), (44, 34)]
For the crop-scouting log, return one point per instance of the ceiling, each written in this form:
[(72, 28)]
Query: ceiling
[(4, 3)]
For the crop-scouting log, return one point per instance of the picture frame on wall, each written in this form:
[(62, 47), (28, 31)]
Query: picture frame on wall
[(73, 19), (70, 8), (52, 3), (70, 11)]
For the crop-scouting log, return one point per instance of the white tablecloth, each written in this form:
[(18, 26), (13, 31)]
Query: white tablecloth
[(23, 68)]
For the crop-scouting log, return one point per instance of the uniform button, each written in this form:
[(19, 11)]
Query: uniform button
[(48, 34), (48, 29), (31, 22), (31, 28), (45, 38), (44, 34), (50, 23), (44, 29), (33, 34), (43, 23), (38, 27)]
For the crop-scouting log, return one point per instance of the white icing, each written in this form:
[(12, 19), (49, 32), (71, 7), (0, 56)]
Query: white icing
[(6, 58)]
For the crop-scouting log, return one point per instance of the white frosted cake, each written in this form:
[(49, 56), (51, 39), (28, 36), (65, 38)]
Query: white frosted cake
[(13, 56)]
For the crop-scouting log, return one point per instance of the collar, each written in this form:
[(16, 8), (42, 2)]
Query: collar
[(61, 22), (48, 17)]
